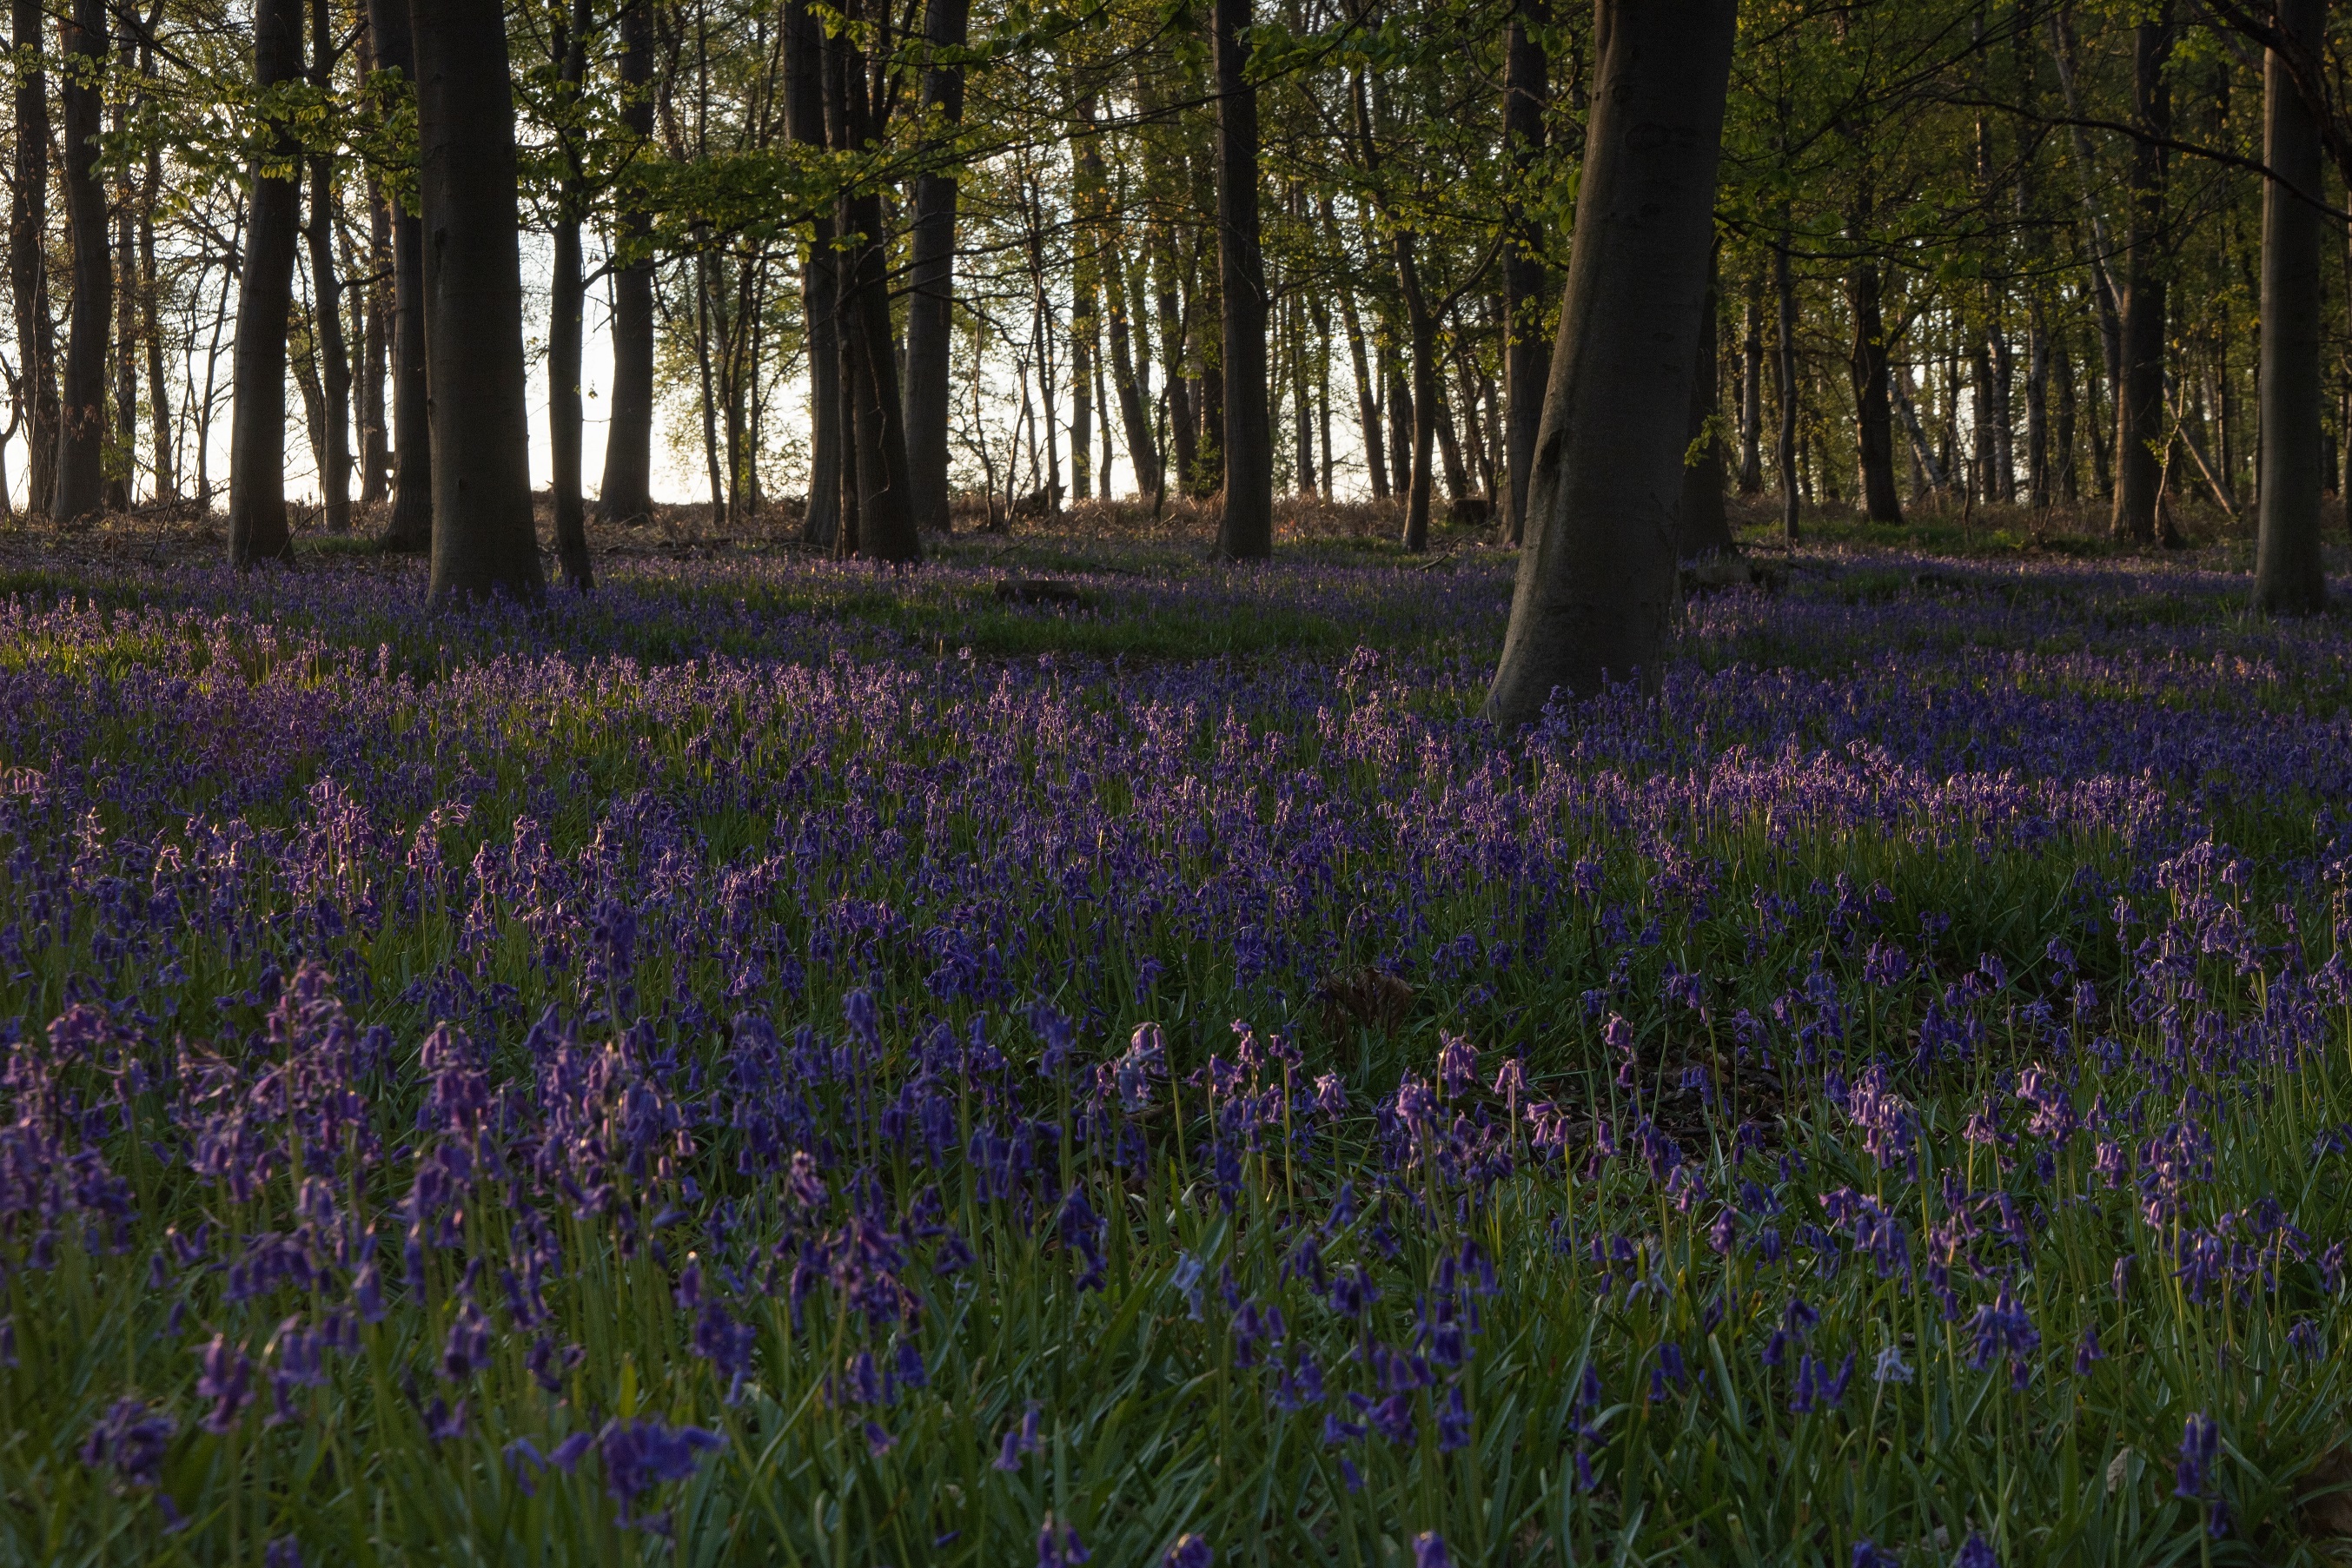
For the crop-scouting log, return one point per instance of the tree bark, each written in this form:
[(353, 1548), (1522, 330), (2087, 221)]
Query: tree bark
[(877, 428), (408, 530), (1130, 371), (81, 439), (123, 462), (1596, 585), (327, 299), (1705, 530), (257, 465), (804, 76), (566, 309), (1785, 292), (151, 287), (484, 541), (1751, 393), (1527, 352), (624, 493), (2139, 402), (1175, 336), (930, 305), (2289, 576), (1873, 420), (1246, 530), (375, 353), (28, 270)]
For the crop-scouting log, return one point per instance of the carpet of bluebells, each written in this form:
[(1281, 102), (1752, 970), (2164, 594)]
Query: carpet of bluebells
[(775, 1064)]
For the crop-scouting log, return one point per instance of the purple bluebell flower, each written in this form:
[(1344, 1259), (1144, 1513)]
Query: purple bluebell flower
[(1189, 1552), (1429, 1551), (131, 1440)]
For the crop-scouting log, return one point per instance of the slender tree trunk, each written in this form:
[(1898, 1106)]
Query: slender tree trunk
[(484, 540), (1596, 585), (2037, 410), (123, 459), (565, 324), (1527, 352), (1175, 336), (29, 271), (409, 528), (1368, 397), (2289, 576), (1246, 532), (1400, 414), (1134, 389), (151, 287), (1784, 289), (804, 76), (1751, 392), (1302, 403), (2139, 403), (81, 441), (2064, 490), (375, 353), (256, 464), (624, 493), (1703, 529), (931, 324), (327, 299)]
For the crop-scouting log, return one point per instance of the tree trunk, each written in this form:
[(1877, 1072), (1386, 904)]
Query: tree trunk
[(1175, 336), (2289, 576), (1596, 585), (1246, 531), (1751, 393), (484, 541), (375, 353), (28, 270), (409, 530), (151, 287), (1421, 332), (877, 429), (1368, 397), (2037, 410), (1785, 291), (1704, 529), (2139, 402), (81, 439), (804, 76), (624, 495), (123, 461), (932, 273), (1873, 423), (1130, 373), (566, 308), (1527, 352), (256, 464), (327, 299)]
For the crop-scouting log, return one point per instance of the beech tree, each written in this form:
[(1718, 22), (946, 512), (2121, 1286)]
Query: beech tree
[(484, 543), (258, 528), (1596, 581)]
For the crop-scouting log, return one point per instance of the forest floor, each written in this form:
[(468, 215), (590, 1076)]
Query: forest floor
[(775, 1061)]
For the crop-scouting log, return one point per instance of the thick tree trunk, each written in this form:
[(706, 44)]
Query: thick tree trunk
[(565, 325), (876, 427), (2139, 403), (1704, 529), (1527, 352), (256, 465), (2289, 576), (1596, 586), (1246, 532), (409, 530), (82, 437), (931, 325), (624, 495), (28, 270), (1874, 422), (484, 541)]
